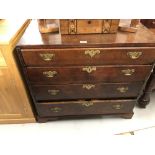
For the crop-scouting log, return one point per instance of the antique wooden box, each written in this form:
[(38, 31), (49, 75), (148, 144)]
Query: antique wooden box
[(88, 26), (85, 75)]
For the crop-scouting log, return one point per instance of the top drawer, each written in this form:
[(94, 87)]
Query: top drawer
[(88, 56)]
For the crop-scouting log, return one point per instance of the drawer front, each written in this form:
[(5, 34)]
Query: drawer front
[(87, 74), (86, 91), (85, 107), (85, 56), (89, 26)]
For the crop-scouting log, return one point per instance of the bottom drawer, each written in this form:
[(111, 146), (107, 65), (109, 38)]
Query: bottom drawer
[(48, 109)]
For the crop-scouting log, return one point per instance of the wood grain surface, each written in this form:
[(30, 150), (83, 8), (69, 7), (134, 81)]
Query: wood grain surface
[(14, 105)]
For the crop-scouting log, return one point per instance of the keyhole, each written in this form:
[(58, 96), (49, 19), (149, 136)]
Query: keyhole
[(89, 21)]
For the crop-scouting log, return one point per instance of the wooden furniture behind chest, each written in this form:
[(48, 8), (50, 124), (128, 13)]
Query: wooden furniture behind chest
[(85, 75), (149, 23), (14, 103)]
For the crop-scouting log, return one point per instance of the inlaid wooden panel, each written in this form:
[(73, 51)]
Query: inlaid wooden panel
[(88, 26)]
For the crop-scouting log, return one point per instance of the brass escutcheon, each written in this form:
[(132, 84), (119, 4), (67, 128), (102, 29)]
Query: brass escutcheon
[(128, 72), (134, 55), (56, 109), (88, 104), (49, 74), (117, 106), (53, 92), (47, 56), (88, 86), (92, 52), (122, 89), (89, 69)]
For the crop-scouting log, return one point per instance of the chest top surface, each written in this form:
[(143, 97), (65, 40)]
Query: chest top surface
[(32, 37)]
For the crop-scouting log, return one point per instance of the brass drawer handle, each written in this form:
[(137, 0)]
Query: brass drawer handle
[(117, 106), (47, 56), (88, 86), (87, 104), (92, 53), (122, 89), (56, 109), (49, 74), (128, 72), (134, 55), (89, 69), (53, 92)]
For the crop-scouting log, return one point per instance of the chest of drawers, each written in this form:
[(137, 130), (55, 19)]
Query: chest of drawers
[(85, 75)]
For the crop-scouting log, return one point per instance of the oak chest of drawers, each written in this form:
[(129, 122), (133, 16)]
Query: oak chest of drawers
[(85, 75)]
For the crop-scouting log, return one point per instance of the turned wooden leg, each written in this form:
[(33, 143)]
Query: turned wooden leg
[(127, 116), (144, 100)]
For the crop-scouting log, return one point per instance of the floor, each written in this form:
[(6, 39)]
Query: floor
[(143, 122)]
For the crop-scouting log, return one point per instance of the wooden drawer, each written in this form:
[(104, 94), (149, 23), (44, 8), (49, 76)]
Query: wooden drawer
[(87, 74), (85, 56), (48, 109), (86, 91)]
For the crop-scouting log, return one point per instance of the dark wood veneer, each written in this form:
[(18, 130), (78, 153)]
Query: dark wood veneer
[(79, 107), (68, 63), (86, 91), (77, 56), (65, 75)]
